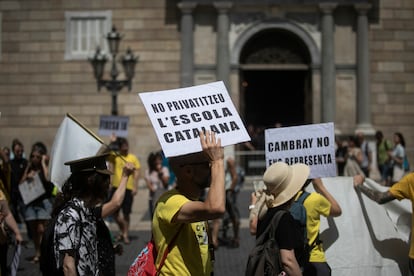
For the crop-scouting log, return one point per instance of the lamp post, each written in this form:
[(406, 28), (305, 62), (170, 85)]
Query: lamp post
[(128, 61)]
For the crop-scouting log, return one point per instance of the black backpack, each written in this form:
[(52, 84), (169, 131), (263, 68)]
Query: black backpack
[(298, 212), (264, 259), (47, 260)]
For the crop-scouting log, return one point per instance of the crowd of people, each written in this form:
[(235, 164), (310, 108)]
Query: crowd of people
[(355, 156), (104, 186), (91, 188)]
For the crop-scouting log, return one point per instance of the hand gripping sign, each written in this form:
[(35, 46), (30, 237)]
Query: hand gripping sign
[(178, 115)]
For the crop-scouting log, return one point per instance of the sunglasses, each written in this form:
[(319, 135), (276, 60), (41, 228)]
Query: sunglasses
[(205, 163)]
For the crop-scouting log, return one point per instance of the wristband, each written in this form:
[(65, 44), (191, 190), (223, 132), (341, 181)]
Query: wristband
[(251, 206)]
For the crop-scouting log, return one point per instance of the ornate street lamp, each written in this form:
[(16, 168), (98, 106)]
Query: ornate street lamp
[(128, 62)]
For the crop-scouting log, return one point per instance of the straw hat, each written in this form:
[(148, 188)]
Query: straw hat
[(284, 181)]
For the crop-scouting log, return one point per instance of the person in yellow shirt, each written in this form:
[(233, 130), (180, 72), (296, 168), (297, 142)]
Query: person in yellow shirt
[(118, 162), (320, 203), (180, 211), (400, 190)]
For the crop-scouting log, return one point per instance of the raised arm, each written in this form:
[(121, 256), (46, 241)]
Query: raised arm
[(215, 197), (45, 166), (379, 197), (116, 200), (25, 174), (214, 204), (257, 200), (253, 216), (320, 188)]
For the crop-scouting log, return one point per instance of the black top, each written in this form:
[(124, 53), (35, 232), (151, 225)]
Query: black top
[(288, 234), (106, 254)]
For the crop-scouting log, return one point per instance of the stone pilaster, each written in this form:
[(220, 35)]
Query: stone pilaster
[(363, 71), (187, 43), (328, 74), (223, 51)]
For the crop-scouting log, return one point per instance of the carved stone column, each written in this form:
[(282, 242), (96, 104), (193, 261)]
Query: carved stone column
[(187, 43), (363, 70), (328, 73), (223, 51)]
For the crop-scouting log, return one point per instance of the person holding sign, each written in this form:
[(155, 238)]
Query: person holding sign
[(37, 212), (317, 204), (180, 211)]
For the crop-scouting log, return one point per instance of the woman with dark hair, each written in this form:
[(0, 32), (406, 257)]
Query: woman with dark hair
[(397, 155), (37, 212), (79, 210), (156, 177)]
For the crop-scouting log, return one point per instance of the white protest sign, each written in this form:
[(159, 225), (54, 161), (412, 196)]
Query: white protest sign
[(177, 115), (31, 189), (313, 145), (117, 125)]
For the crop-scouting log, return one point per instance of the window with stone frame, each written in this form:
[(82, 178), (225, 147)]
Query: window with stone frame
[(85, 31)]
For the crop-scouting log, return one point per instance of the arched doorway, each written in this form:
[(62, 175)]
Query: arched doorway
[(275, 79)]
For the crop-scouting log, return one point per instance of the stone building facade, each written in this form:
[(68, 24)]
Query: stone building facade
[(294, 62)]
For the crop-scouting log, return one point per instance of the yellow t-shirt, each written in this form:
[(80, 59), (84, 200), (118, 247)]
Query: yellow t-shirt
[(5, 187), (119, 164), (190, 254), (316, 205), (405, 189)]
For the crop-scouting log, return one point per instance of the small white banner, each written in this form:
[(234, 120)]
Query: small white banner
[(117, 125), (72, 141), (177, 115), (31, 189), (313, 145)]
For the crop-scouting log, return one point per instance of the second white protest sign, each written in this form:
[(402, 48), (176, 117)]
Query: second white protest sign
[(313, 145)]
